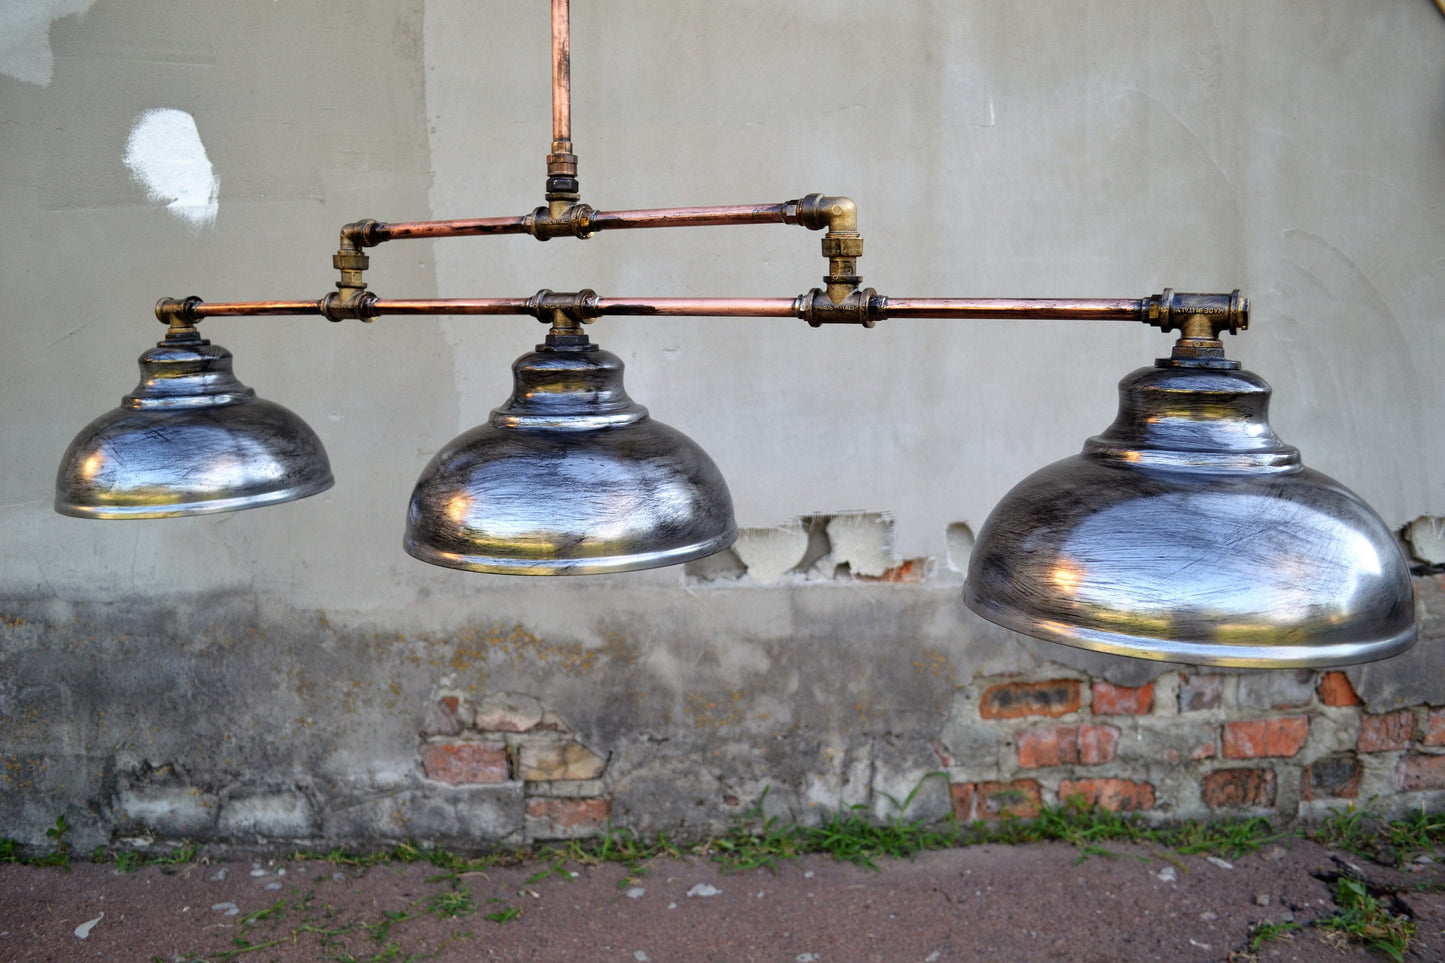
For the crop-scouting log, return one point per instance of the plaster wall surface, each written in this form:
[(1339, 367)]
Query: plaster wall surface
[(1102, 149)]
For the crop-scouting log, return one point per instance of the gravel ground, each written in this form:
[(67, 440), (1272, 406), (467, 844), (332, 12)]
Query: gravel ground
[(1033, 902)]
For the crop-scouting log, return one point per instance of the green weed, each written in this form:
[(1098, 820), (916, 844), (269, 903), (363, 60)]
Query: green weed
[(1364, 920), (504, 915), (1261, 933)]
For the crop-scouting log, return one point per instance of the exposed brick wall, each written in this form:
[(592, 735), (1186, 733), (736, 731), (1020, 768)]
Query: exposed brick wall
[(1188, 744), (512, 738)]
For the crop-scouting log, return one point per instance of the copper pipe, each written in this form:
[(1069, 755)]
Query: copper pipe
[(1095, 309), (467, 227), (451, 306), (691, 217), (204, 309), (700, 307), (561, 77)]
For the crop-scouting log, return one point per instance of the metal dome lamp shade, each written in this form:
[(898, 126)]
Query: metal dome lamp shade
[(189, 440), (569, 477), (1188, 532)]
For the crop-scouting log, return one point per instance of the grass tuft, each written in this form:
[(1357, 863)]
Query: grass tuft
[(1364, 920)]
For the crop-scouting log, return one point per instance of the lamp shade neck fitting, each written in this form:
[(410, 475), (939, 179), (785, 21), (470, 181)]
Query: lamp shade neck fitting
[(1183, 415), (568, 388), (186, 373)]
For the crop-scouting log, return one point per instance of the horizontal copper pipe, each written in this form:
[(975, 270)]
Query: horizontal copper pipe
[(467, 227), (690, 217), (210, 309), (451, 306), (1087, 309), (700, 307), (1096, 309)]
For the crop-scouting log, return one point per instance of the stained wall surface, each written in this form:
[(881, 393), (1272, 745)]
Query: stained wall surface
[(268, 672)]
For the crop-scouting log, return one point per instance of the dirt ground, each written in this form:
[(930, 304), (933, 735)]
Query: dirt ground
[(1029, 902)]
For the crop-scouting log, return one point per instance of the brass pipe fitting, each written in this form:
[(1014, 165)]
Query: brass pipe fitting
[(359, 306), (178, 315), (573, 220), (861, 306), (842, 245), (1196, 316), (570, 310), (360, 234), (817, 211)]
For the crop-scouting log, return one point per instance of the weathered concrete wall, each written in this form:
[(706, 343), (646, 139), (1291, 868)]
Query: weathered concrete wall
[(266, 674)]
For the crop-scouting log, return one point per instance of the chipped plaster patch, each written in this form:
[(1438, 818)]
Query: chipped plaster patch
[(25, 37), (864, 540), (1426, 537), (165, 156), (960, 546)]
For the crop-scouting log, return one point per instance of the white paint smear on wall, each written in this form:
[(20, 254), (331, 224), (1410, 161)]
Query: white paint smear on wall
[(166, 157), (25, 36)]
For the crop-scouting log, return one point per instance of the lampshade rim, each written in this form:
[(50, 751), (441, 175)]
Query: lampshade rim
[(1248, 655), (598, 565), (201, 506)]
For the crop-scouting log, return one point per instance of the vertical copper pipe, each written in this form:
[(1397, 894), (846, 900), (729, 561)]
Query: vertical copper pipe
[(561, 78)]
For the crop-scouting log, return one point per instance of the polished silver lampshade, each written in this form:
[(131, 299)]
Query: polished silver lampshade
[(1188, 532), (569, 477), (190, 439)]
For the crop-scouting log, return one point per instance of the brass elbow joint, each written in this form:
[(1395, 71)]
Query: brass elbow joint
[(360, 234), (817, 211)]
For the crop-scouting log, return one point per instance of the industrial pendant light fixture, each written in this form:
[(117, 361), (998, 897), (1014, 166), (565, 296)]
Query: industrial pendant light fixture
[(569, 477), (189, 440), (1187, 531)]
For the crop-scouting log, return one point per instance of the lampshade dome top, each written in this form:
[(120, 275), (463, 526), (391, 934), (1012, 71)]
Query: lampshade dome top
[(190, 439), (1188, 532), (569, 476)]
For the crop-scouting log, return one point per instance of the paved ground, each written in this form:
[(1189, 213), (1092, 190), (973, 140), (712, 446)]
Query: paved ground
[(1037, 902)]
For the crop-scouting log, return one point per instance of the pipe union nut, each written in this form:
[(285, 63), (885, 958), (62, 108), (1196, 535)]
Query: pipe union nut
[(842, 245)]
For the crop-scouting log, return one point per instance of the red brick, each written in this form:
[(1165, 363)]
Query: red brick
[(1066, 746), (1205, 751), (1335, 690), (1022, 798), (1097, 744), (1115, 795), (570, 813), (1118, 700), (1259, 738), (962, 794), (465, 763), (1015, 700), (1233, 788), (1056, 746), (1387, 731), (1434, 728), (1415, 773), (1336, 777)]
